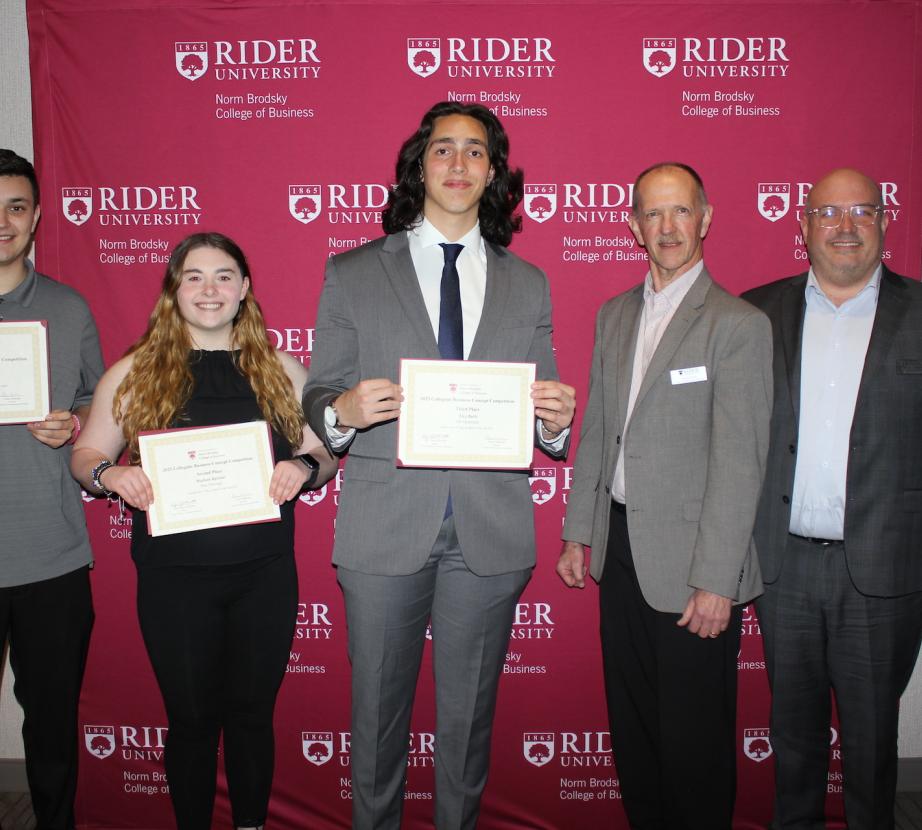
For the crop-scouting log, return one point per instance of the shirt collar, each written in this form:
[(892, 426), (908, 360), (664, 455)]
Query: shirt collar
[(871, 287), (24, 293), (428, 235), (675, 292)]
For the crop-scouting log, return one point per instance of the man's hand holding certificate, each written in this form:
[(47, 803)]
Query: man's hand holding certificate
[(466, 414), (208, 477)]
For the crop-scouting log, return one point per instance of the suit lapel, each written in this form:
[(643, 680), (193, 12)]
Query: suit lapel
[(686, 314), (625, 346), (791, 324), (891, 307), (495, 300), (398, 265)]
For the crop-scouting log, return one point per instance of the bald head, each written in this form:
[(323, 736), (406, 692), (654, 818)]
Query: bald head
[(844, 179)]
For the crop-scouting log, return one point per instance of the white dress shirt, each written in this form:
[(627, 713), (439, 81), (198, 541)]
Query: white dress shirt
[(659, 307), (428, 259), (833, 347)]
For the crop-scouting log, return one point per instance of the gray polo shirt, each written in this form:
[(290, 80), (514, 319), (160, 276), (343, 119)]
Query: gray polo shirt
[(42, 526)]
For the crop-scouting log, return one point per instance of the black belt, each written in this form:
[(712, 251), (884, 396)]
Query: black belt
[(618, 507), (823, 543)]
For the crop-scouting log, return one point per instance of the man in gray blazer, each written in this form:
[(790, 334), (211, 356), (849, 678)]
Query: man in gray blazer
[(666, 483), (454, 546), (839, 527)]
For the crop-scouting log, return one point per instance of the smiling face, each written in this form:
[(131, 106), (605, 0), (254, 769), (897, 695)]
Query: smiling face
[(18, 217), (844, 258), (670, 222), (210, 291), (456, 171)]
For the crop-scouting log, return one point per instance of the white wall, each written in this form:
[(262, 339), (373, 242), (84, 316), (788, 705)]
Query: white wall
[(16, 134)]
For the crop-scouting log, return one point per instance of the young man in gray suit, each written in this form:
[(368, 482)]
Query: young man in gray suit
[(839, 527), (666, 483), (454, 546)]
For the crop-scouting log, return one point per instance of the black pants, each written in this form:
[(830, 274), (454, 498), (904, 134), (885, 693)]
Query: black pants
[(48, 623), (671, 704), (219, 639)]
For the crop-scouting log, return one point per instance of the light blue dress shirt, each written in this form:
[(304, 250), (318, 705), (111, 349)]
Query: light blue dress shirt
[(834, 344)]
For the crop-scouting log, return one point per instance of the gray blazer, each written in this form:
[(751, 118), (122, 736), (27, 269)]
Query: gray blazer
[(883, 510), (371, 315), (694, 452)]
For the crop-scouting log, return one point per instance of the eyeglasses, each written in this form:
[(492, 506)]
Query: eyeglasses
[(831, 216)]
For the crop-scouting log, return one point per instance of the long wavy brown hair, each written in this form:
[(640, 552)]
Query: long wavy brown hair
[(158, 385)]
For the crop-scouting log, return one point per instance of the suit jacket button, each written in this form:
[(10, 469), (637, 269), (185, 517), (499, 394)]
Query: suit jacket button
[(607, 490), (785, 499), (792, 449)]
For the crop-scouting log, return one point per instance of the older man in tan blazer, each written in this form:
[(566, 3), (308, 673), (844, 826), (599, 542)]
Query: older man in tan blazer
[(666, 483)]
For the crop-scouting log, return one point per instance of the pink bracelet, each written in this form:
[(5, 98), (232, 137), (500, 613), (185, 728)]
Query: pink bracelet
[(75, 434)]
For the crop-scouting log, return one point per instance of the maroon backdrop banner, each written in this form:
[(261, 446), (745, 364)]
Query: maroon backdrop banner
[(278, 124)]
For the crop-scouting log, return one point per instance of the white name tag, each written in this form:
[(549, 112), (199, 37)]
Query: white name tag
[(694, 374)]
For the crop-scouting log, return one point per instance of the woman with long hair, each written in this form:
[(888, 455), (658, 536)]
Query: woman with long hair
[(217, 607)]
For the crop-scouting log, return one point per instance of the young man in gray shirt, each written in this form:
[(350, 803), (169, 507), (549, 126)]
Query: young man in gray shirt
[(45, 604)]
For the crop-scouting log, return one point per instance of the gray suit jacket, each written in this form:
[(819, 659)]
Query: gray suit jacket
[(694, 452), (883, 510), (371, 315)]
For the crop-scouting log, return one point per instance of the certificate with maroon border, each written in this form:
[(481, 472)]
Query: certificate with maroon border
[(208, 477), (25, 387), (466, 414)]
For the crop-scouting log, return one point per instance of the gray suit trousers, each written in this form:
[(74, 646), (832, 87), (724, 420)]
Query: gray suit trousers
[(471, 619)]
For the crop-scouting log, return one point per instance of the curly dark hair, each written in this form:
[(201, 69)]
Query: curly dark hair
[(497, 206)]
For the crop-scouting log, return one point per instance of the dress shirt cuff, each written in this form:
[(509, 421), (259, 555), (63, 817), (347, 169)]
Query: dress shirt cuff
[(556, 444), (338, 439)]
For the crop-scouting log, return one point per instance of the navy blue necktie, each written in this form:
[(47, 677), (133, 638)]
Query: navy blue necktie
[(451, 324)]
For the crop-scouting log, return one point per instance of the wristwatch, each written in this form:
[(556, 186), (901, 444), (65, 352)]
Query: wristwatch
[(312, 464)]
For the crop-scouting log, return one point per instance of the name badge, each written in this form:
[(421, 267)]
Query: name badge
[(694, 374)]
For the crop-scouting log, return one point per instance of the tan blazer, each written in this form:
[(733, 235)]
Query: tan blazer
[(694, 452)]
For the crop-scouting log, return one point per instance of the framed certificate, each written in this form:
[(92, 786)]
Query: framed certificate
[(25, 390), (466, 414), (208, 477)]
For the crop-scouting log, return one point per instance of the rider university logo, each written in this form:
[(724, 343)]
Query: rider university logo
[(540, 201), (659, 55), (774, 200), (424, 55), (543, 484), (191, 59), (756, 744), (304, 202), (77, 204), (317, 747), (313, 497), (99, 740), (538, 747)]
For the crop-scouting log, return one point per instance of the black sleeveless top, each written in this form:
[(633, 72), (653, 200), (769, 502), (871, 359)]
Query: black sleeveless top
[(220, 395)]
